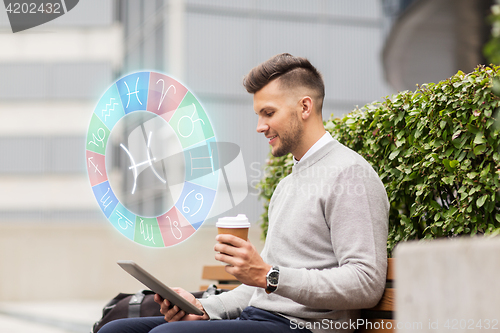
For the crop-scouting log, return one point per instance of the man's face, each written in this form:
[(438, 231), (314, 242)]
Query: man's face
[(279, 112)]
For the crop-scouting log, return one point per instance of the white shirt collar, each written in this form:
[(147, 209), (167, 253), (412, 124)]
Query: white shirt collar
[(315, 147)]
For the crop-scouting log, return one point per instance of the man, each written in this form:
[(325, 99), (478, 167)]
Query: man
[(325, 253)]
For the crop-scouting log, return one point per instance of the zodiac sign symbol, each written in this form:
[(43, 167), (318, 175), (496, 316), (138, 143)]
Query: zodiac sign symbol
[(163, 94), (211, 167), (148, 161), (127, 221), (198, 197), (176, 225), (95, 166), (99, 137), (145, 233), (192, 123), (136, 92), (104, 200), (112, 108)]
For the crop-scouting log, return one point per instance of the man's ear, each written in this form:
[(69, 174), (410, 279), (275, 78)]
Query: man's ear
[(306, 103)]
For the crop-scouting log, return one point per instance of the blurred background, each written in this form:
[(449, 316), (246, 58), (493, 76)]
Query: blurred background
[(55, 243)]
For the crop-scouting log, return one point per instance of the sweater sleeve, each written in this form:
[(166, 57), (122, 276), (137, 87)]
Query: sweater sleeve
[(357, 218), (228, 305)]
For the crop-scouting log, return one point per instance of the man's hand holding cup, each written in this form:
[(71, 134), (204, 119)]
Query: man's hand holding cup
[(242, 259)]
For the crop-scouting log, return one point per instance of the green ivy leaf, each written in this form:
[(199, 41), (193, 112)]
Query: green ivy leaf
[(451, 211), (472, 175), (394, 154), (456, 134), (329, 126), (485, 171), (480, 202), (448, 180), (479, 139), (351, 123), (479, 149)]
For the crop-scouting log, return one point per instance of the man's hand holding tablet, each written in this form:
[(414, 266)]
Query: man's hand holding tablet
[(175, 304), (174, 313)]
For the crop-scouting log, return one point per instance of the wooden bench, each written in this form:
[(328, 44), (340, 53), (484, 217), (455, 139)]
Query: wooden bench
[(218, 274), (380, 318), (376, 319)]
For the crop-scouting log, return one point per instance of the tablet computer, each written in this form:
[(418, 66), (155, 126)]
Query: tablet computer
[(155, 285)]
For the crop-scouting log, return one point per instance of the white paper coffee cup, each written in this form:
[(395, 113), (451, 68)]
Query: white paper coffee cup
[(234, 225)]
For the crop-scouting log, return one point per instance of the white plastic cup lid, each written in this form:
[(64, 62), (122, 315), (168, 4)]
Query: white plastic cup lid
[(240, 221)]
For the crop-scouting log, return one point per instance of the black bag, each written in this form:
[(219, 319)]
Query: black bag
[(140, 304)]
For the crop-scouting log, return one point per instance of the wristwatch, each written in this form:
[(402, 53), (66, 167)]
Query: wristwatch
[(272, 279)]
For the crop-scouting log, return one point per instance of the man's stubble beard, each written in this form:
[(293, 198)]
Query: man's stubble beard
[(289, 139)]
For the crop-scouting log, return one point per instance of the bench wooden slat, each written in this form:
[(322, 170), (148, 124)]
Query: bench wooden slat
[(220, 286), (217, 273), (390, 269)]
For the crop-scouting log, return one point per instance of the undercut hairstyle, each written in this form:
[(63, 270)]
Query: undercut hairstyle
[(291, 71)]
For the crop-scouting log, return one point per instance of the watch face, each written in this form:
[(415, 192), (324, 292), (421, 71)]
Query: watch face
[(152, 159), (273, 278)]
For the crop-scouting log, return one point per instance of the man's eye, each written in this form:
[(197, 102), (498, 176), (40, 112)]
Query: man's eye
[(269, 114)]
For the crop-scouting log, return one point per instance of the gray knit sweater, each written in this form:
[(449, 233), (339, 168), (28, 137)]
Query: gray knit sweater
[(328, 234)]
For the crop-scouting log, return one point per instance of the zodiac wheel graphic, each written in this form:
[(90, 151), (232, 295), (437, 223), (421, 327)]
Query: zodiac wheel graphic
[(152, 159)]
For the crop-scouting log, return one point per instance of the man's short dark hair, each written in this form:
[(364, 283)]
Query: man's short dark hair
[(292, 71)]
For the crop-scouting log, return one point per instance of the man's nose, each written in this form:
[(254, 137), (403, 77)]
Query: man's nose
[(262, 126)]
